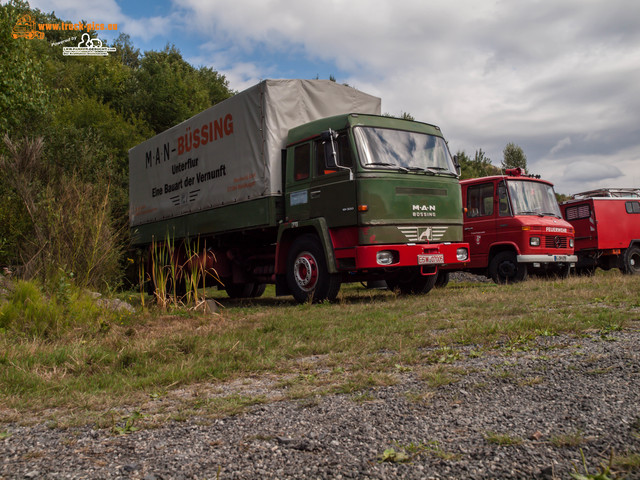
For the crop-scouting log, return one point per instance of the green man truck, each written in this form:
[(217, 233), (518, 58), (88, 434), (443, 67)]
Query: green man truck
[(301, 184)]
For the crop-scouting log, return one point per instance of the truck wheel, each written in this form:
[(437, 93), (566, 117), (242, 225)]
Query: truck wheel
[(504, 268), (307, 273), (564, 271), (414, 284), (631, 261), (443, 279), (258, 290), (239, 290)]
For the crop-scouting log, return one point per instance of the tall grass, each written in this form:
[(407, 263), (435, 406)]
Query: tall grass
[(71, 228), (177, 273)]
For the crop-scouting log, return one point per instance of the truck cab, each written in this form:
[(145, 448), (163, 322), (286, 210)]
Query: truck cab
[(514, 227), (368, 198)]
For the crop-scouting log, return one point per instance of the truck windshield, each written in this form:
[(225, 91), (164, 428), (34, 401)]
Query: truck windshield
[(533, 198), (402, 150)]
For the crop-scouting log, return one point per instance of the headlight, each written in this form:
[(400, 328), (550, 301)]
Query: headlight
[(571, 242), (385, 257), (534, 241), (462, 254)]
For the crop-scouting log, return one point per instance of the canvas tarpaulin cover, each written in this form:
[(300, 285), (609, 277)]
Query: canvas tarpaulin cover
[(231, 152)]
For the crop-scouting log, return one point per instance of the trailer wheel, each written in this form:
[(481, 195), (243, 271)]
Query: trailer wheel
[(413, 284), (307, 274), (586, 271), (631, 261), (504, 268)]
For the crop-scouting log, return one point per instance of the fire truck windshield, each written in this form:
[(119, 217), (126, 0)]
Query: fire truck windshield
[(402, 150), (533, 198)]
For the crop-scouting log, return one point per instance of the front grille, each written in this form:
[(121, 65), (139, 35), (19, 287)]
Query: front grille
[(555, 241)]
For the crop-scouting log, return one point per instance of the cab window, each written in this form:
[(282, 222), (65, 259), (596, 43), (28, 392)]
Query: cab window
[(343, 151), (301, 162), (480, 200), (503, 201)]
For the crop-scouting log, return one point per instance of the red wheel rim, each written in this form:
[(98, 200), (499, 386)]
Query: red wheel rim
[(305, 271)]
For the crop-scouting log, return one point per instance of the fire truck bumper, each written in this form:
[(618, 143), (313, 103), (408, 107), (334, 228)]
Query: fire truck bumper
[(547, 259)]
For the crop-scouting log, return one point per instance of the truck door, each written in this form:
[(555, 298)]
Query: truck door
[(332, 194), (480, 222), (298, 181)]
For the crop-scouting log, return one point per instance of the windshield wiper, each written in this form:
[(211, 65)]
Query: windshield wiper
[(551, 214), (528, 213), (385, 164)]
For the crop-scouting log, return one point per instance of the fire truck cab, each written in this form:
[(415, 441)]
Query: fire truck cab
[(514, 227)]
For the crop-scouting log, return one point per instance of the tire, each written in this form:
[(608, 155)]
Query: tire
[(239, 290), (307, 274), (443, 279), (586, 271), (564, 271), (504, 268), (631, 261), (258, 290), (413, 284)]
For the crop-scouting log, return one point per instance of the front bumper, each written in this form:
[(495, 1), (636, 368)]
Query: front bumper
[(404, 255), (547, 258)]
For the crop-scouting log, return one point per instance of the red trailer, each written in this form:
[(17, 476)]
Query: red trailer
[(607, 225)]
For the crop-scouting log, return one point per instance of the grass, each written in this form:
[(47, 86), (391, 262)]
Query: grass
[(366, 339), (502, 439)]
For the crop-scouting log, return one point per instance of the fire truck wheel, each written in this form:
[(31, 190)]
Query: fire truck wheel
[(413, 284), (443, 279), (631, 261), (564, 271), (307, 274), (504, 268)]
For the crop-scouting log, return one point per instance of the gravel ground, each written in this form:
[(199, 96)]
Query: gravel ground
[(511, 413)]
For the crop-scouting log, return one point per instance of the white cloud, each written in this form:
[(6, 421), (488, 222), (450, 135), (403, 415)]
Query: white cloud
[(565, 142)]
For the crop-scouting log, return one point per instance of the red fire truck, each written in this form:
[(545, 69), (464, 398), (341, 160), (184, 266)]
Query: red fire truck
[(607, 229), (513, 225)]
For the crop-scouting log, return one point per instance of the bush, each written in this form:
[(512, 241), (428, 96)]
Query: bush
[(32, 313)]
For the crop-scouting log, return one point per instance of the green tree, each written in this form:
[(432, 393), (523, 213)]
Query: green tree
[(514, 157), (23, 94), (169, 89), (479, 166)]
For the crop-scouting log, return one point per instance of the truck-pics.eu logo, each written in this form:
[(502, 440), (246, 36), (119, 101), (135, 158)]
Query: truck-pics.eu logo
[(25, 27)]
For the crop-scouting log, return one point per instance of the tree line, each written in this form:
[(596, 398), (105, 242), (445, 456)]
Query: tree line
[(67, 124)]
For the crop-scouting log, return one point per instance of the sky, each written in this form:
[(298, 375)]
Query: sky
[(559, 78)]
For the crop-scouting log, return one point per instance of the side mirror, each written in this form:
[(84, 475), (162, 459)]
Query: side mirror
[(330, 155), (456, 163)]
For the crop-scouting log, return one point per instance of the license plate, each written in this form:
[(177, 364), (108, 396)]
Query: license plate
[(434, 258), (560, 258)]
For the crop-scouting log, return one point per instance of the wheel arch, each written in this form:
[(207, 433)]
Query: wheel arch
[(287, 234), (501, 247)]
